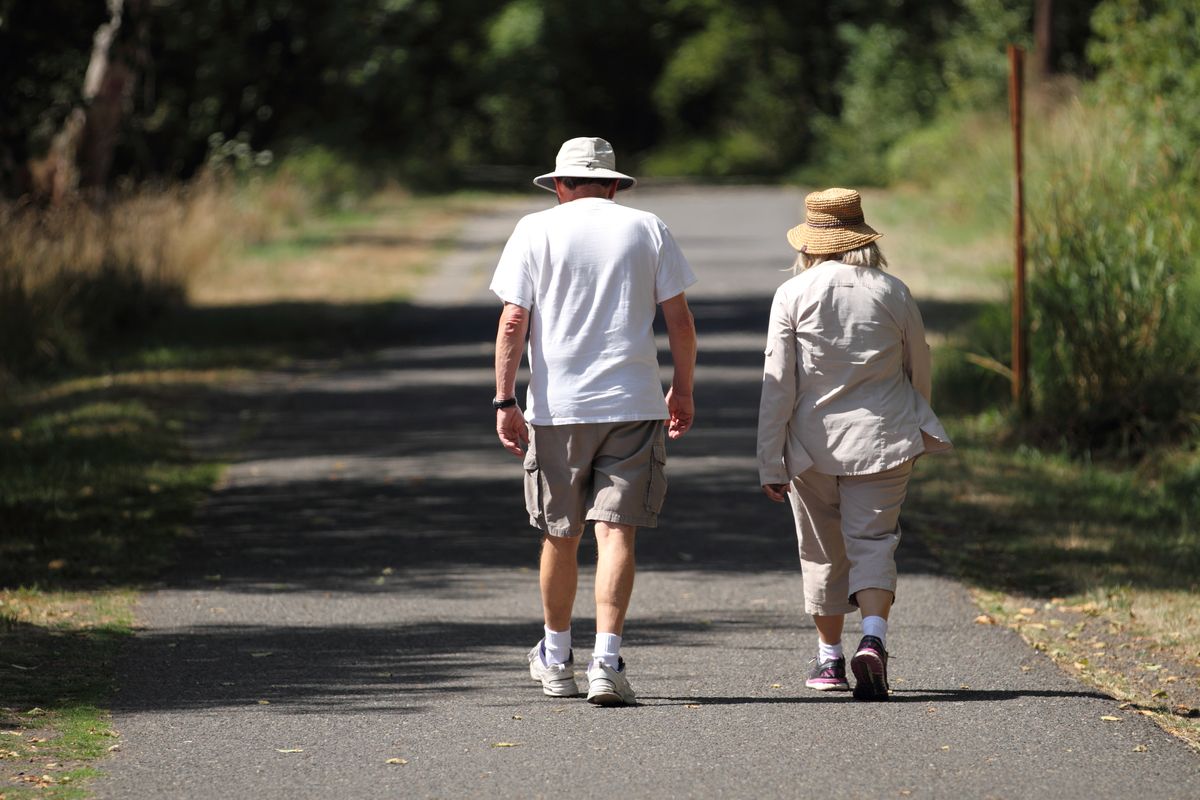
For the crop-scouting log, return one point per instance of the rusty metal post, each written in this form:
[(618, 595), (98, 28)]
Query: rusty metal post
[(1020, 352)]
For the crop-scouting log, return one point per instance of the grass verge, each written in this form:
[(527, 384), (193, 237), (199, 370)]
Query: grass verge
[(1094, 564), (96, 489), (58, 654), (98, 484)]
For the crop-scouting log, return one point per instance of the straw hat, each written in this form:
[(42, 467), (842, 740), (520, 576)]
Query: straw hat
[(833, 223), (585, 157)]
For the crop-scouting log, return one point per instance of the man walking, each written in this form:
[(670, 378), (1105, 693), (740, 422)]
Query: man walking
[(582, 280)]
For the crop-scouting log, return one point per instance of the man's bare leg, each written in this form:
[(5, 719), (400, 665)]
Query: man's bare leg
[(559, 579), (607, 683), (614, 575)]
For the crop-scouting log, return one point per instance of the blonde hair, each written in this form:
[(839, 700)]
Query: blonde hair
[(869, 255)]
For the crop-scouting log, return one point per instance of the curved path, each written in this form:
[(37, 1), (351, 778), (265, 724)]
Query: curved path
[(364, 589)]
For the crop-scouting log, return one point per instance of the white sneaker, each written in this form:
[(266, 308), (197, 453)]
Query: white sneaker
[(558, 680), (608, 686)]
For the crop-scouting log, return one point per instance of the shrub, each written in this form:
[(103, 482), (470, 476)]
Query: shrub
[(1115, 345)]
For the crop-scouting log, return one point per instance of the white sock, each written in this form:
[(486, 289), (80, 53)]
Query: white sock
[(557, 646), (607, 650), (875, 626), (828, 652)]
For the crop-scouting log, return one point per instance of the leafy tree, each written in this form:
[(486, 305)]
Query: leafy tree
[(1148, 53)]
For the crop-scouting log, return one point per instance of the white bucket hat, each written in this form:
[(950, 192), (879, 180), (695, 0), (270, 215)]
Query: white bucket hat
[(585, 157)]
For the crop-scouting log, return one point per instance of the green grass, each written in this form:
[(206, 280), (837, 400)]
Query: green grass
[(59, 651), (1095, 564), (1023, 520), (96, 489), (98, 486)]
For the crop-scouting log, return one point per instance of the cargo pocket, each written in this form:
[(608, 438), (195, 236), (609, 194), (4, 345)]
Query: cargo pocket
[(533, 489), (656, 488)]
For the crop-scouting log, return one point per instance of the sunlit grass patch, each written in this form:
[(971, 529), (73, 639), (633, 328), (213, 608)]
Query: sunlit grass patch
[(939, 251), (377, 252)]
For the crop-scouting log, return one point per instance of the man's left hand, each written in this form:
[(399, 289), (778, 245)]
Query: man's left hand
[(512, 430), (682, 409)]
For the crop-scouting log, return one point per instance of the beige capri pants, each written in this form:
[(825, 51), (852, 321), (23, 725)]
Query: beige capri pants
[(848, 527)]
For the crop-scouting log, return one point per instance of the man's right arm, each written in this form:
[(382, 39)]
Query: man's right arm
[(681, 333), (510, 344)]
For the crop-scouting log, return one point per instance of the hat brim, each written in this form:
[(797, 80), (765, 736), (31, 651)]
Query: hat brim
[(547, 181), (824, 241)]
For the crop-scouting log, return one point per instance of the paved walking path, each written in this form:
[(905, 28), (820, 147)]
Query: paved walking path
[(364, 589)]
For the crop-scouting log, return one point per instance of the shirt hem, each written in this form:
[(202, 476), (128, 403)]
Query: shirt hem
[(597, 420)]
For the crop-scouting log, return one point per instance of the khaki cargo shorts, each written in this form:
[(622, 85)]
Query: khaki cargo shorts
[(608, 471)]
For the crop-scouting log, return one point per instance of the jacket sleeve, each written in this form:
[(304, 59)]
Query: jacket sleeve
[(779, 390), (917, 363)]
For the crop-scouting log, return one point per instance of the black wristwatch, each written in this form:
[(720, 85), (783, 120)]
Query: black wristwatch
[(499, 404)]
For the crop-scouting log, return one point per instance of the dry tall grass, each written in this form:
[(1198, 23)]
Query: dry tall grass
[(74, 275)]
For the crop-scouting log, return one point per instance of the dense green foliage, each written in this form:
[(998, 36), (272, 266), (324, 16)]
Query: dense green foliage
[(441, 88), (1116, 340)]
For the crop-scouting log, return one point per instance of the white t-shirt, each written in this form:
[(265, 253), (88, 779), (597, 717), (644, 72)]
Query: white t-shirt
[(592, 273)]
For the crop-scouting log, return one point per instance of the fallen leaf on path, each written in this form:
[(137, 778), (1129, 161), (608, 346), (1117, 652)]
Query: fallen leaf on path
[(1159, 693), (289, 750), (692, 705), (985, 619), (1029, 612), (1141, 748), (400, 761), (264, 702), (506, 744), (517, 716), (11, 733), (776, 685), (945, 747), (1110, 718)]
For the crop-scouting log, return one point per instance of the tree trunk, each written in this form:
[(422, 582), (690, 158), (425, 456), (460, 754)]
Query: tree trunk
[(1043, 13), (81, 153)]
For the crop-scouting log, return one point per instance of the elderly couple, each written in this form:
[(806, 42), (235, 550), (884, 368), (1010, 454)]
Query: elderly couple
[(844, 411)]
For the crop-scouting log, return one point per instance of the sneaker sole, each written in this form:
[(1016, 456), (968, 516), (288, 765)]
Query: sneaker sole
[(608, 699), (827, 687), (608, 696), (869, 673)]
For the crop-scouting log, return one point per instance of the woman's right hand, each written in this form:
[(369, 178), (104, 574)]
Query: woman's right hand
[(776, 491)]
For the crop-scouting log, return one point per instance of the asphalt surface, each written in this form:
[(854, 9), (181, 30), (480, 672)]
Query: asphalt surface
[(364, 589)]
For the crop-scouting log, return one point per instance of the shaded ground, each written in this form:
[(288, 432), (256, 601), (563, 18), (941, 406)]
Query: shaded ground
[(363, 589)]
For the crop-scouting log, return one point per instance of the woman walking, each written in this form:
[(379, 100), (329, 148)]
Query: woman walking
[(844, 413)]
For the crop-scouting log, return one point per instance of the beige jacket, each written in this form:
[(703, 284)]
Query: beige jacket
[(847, 378)]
